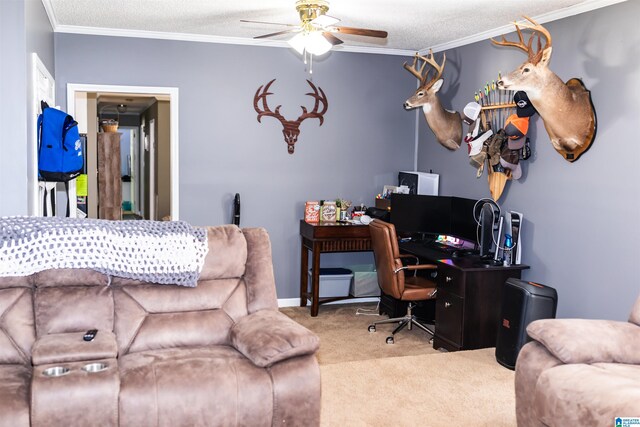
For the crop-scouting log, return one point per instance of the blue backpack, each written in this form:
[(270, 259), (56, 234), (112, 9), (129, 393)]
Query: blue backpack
[(60, 157)]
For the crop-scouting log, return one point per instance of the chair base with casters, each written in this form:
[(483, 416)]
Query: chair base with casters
[(408, 320)]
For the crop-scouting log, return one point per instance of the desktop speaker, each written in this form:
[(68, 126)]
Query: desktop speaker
[(522, 303)]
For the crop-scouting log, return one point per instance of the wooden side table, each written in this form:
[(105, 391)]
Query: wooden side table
[(326, 237)]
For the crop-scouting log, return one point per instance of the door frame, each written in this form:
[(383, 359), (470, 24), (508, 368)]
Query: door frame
[(172, 92)]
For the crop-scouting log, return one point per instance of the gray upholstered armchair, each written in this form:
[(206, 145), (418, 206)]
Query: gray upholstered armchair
[(579, 372)]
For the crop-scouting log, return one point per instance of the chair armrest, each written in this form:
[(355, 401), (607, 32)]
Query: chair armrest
[(407, 256), (267, 336), (422, 267), (588, 341), (70, 347)]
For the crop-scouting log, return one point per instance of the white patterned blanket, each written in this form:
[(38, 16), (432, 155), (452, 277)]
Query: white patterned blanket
[(153, 251)]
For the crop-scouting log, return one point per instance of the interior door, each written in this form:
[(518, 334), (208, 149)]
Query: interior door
[(43, 88)]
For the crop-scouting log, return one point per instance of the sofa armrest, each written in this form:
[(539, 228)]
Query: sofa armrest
[(268, 336), (70, 347), (588, 341)]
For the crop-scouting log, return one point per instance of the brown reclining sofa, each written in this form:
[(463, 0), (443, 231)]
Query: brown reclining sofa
[(164, 355), (579, 372)]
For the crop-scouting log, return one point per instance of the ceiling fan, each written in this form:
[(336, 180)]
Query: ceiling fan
[(315, 33)]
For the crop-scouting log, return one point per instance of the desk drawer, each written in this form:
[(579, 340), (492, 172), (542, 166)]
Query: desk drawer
[(450, 280), (449, 317)]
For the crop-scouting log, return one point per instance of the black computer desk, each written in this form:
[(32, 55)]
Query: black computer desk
[(469, 299)]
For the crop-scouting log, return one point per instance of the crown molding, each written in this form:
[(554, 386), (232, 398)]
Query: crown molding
[(48, 8), (203, 38), (505, 29)]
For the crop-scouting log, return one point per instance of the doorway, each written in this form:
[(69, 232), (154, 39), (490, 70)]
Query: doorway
[(148, 122)]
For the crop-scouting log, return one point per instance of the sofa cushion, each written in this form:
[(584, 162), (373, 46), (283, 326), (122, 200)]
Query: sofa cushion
[(213, 386), (70, 277), (73, 309), (15, 383), (259, 278), (588, 341), (17, 331), (227, 254), (153, 317), (268, 336), (587, 395)]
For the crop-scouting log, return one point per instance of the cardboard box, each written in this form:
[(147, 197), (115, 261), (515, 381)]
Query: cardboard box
[(365, 281), (334, 282)]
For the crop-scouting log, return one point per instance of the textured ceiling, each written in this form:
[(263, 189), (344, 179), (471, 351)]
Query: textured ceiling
[(412, 24)]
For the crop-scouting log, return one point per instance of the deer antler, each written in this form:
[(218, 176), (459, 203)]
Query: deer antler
[(266, 111), (534, 57), (320, 98), (424, 83)]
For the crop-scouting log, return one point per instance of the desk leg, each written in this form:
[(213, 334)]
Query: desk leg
[(315, 280), (304, 281)]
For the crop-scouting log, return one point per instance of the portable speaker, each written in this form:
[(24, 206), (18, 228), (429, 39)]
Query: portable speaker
[(522, 303)]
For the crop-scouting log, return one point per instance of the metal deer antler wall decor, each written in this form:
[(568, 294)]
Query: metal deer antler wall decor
[(565, 108), (291, 128), (446, 125)]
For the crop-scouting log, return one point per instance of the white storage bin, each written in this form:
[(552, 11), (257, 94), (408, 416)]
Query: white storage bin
[(365, 281), (334, 282)]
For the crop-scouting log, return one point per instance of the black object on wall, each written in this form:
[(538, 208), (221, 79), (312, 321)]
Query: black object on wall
[(522, 303), (236, 209)]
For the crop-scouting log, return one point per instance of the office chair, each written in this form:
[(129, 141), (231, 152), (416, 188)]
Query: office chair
[(392, 279)]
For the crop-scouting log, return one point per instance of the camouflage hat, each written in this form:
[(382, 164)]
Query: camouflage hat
[(495, 147), (510, 159), (478, 161)]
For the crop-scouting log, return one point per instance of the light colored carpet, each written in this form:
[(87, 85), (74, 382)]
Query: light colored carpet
[(467, 388), (366, 382), (344, 336)]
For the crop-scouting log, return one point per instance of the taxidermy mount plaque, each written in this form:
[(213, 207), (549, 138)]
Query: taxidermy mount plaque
[(291, 128)]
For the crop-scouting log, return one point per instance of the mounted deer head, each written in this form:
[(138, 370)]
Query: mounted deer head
[(565, 108), (446, 125), (291, 128)]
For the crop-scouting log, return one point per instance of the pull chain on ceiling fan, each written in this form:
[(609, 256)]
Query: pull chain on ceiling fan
[(315, 33)]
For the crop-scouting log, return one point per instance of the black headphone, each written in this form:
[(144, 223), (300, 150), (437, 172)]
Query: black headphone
[(477, 208)]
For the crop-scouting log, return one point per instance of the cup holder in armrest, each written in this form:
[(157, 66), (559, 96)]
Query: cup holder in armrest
[(55, 371), (95, 367)]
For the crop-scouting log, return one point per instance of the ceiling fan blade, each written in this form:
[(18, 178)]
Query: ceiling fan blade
[(331, 38), (323, 21), (264, 36), (361, 32), (268, 23)]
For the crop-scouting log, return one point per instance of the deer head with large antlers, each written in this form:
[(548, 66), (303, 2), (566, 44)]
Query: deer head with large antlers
[(446, 125), (565, 108), (291, 128)]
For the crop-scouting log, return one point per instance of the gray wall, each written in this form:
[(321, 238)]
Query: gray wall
[(365, 140), (39, 33), (13, 86), (580, 230), (24, 28)]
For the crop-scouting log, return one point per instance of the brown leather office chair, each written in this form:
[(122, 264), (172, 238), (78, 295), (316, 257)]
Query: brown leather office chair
[(392, 279)]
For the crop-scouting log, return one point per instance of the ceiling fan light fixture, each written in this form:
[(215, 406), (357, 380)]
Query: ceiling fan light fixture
[(298, 42), (317, 44), (312, 42)]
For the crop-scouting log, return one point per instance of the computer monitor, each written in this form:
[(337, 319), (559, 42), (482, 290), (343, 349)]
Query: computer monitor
[(463, 223), (412, 213)]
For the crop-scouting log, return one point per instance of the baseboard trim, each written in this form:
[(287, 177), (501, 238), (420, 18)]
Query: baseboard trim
[(295, 302)]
